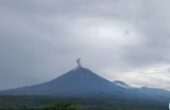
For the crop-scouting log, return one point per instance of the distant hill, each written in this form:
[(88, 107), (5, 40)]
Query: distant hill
[(121, 84), (83, 83)]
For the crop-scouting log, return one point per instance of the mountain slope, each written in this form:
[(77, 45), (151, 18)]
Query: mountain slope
[(83, 83), (144, 93), (77, 82)]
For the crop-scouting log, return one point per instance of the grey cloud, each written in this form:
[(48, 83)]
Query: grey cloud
[(38, 41)]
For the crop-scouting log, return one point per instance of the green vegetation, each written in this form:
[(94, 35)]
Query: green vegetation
[(52, 103), (62, 106)]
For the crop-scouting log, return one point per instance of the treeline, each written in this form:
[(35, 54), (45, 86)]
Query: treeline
[(51, 103)]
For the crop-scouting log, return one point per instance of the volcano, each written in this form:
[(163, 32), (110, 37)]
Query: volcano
[(83, 83), (79, 82)]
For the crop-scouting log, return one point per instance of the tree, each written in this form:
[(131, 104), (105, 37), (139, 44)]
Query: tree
[(62, 106)]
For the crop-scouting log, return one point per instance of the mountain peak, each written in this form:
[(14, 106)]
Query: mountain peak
[(81, 69)]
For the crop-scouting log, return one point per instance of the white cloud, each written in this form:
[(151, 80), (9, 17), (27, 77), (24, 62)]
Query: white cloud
[(155, 76)]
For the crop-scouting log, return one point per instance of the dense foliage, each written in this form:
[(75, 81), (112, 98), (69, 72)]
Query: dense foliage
[(52, 103), (62, 106)]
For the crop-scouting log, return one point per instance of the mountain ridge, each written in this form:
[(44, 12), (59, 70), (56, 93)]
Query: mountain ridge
[(83, 83)]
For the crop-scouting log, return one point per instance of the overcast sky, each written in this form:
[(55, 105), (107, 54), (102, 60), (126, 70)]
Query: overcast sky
[(126, 40)]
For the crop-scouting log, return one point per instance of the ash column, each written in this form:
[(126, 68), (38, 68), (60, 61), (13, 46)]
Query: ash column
[(78, 62)]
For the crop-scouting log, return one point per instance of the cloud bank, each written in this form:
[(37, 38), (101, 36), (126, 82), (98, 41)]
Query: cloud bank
[(119, 39)]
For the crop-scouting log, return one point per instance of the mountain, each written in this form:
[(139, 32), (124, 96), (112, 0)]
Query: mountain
[(80, 82), (83, 83), (144, 93)]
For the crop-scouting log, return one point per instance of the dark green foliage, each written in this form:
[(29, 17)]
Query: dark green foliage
[(53, 103), (62, 106)]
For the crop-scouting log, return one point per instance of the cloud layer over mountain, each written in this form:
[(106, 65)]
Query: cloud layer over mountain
[(119, 39)]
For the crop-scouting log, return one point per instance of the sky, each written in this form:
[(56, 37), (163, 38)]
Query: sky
[(125, 40)]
